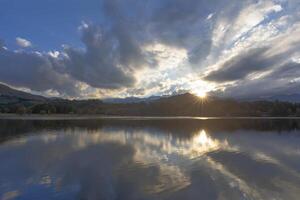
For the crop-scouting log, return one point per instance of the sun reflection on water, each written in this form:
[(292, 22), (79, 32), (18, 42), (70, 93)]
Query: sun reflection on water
[(202, 143), (202, 138), (170, 162), (162, 150)]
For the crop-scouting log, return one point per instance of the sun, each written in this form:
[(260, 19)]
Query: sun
[(200, 93)]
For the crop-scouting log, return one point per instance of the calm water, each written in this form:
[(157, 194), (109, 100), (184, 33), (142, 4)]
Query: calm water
[(150, 159)]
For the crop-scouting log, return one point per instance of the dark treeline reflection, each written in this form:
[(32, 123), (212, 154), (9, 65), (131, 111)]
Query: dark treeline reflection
[(150, 159), (181, 127)]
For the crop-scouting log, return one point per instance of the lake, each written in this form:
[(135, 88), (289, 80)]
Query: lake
[(139, 159)]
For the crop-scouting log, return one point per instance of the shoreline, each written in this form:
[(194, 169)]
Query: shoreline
[(95, 117)]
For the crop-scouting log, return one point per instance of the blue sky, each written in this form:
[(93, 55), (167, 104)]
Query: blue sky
[(114, 48), (48, 23)]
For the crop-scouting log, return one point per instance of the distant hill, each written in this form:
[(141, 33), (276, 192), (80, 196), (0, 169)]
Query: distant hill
[(292, 98), (287, 98), (132, 99), (10, 95), (15, 101)]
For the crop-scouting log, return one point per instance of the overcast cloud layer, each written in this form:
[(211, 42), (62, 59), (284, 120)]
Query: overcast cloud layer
[(244, 48)]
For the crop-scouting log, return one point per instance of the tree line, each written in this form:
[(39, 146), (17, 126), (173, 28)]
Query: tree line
[(180, 105)]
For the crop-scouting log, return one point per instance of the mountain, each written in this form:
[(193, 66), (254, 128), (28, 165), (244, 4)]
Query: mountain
[(15, 101), (190, 105), (287, 98), (8, 95), (292, 98), (132, 99)]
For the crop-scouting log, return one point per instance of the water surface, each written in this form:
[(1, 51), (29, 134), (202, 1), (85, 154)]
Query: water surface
[(130, 159)]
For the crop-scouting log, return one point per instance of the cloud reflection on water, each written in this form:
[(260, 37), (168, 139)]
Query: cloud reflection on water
[(146, 163)]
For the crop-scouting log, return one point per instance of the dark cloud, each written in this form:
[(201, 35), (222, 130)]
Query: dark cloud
[(1, 44), (101, 65), (283, 80), (183, 24), (287, 71), (114, 51), (34, 71), (176, 23), (241, 65), (108, 61), (252, 60)]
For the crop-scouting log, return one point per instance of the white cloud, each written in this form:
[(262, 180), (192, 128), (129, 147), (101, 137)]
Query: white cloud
[(83, 25), (229, 30), (210, 16), (23, 42), (54, 54)]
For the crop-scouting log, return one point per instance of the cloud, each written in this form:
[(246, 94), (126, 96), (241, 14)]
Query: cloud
[(1, 43), (279, 82), (288, 71), (282, 81), (262, 58), (145, 48), (34, 71), (209, 16), (237, 21), (109, 60), (269, 65), (241, 65), (115, 51), (183, 24), (23, 42)]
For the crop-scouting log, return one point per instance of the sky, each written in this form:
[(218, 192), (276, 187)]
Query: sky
[(120, 48)]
